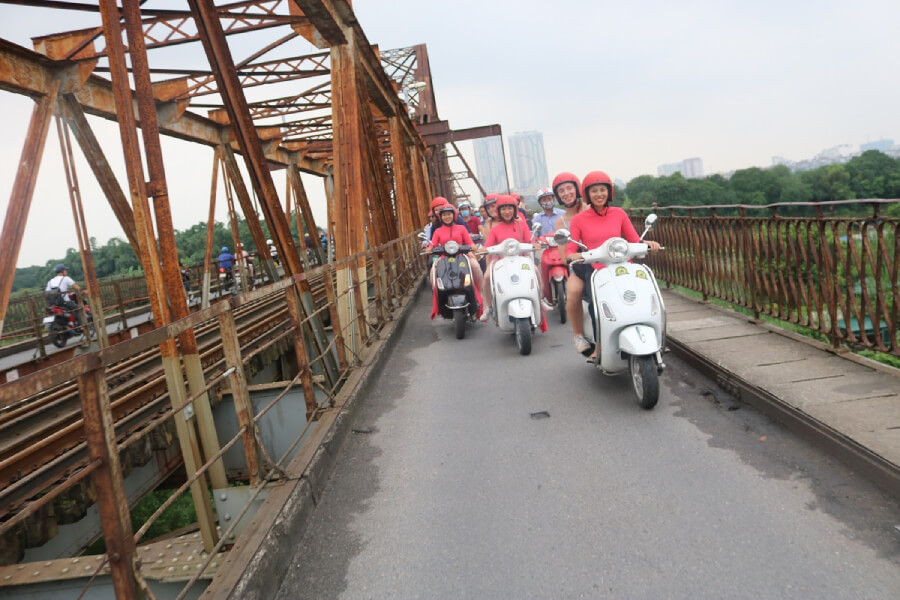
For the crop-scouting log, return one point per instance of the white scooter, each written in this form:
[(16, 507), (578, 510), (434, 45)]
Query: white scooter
[(514, 283), (628, 313)]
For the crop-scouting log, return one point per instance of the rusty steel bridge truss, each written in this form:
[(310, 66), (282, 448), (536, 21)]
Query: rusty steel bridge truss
[(315, 96)]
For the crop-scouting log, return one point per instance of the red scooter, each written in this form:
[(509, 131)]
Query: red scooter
[(554, 272), (62, 325)]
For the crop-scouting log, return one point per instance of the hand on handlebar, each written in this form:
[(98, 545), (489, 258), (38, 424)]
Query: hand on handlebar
[(653, 246)]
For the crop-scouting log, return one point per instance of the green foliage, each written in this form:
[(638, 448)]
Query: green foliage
[(117, 258), (179, 515), (870, 175)]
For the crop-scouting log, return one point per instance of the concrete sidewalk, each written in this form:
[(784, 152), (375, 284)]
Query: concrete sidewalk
[(850, 403)]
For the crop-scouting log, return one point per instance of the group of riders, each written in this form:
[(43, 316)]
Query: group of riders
[(585, 209)]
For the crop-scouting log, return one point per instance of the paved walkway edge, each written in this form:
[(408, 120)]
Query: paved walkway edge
[(881, 471), (257, 565)]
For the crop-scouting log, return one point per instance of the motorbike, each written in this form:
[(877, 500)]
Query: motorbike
[(555, 273), (453, 286), (628, 314), (514, 283), (226, 278), (61, 324)]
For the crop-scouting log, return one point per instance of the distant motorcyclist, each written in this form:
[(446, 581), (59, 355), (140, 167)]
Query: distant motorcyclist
[(226, 259), (473, 223), (273, 251), (549, 213), (57, 291)]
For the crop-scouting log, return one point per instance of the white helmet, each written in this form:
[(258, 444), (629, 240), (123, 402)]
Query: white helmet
[(269, 242), (547, 193)]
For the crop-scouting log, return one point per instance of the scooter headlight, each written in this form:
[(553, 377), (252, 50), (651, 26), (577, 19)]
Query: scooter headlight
[(451, 247), (440, 284), (510, 247), (618, 250), (654, 305), (466, 280)]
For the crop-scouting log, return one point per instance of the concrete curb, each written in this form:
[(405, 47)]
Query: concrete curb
[(256, 570)]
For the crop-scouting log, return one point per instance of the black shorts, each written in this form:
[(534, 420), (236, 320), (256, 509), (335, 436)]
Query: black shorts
[(584, 273)]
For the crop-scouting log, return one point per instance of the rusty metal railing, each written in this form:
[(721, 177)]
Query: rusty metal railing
[(830, 267), (391, 272)]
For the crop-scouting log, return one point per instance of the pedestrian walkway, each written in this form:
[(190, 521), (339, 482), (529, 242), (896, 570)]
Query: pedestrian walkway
[(844, 400)]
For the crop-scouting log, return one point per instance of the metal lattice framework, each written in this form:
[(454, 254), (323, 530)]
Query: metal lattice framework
[(355, 133)]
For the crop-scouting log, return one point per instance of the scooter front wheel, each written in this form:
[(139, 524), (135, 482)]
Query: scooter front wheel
[(459, 322), (645, 380), (560, 287), (523, 336)]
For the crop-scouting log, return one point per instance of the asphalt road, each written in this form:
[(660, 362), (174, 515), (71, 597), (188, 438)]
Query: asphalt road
[(449, 488)]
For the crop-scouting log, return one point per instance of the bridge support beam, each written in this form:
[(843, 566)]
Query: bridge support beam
[(22, 193)]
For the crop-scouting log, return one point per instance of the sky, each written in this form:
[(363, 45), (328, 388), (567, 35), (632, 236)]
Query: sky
[(617, 86)]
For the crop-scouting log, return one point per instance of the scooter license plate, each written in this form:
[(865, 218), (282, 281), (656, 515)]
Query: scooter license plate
[(48, 320)]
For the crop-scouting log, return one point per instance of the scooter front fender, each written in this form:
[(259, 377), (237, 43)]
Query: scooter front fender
[(520, 308), (638, 340)]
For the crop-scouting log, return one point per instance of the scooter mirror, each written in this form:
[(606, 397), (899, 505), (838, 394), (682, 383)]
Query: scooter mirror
[(650, 221), (561, 236), (536, 228), (421, 235)]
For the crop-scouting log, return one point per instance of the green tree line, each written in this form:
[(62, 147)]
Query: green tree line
[(116, 258), (872, 174)]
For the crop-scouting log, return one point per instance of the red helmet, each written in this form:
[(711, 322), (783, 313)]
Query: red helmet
[(438, 201), (508, 200), (566, 177), (447, 208), (489, 200), (597, 178)]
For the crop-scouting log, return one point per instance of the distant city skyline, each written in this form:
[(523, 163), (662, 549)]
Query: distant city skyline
[(690, 168), (490, 164), (528, 161)]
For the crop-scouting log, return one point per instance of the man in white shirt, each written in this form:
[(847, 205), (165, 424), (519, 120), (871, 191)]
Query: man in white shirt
[(57, 291)]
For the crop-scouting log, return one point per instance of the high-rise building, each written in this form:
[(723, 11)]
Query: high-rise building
[(690, 168), (529, 164), (490, 164), (880, 145)]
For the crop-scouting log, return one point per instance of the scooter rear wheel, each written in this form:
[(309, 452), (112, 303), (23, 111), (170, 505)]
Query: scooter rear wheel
[(459, 322), (58, 336), (560, 290), (523, 336), (645, 380)]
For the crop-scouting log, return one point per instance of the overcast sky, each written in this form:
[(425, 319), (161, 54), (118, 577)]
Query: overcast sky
[(617, 86)]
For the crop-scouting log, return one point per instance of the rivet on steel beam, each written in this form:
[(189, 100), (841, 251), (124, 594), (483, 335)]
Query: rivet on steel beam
[(227, 517), (87, 567), (115, 557), (222, 496), (171, 569), (65, 570), (48, 564), (74, 560), (7, 577), (36, 573)]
